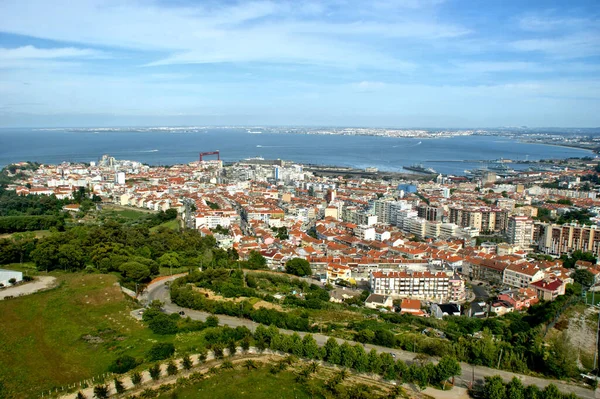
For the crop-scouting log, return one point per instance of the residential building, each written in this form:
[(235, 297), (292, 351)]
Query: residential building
[(415, 285), (520, 231), (375, 301), (520, 275), (445, 309)]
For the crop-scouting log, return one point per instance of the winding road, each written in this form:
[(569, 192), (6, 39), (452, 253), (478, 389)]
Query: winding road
[(159, 291)]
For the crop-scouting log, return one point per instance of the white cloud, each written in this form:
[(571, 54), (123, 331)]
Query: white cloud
[(264, 31), (35, 53)]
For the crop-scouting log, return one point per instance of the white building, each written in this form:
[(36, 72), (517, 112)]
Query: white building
[(520, 231)]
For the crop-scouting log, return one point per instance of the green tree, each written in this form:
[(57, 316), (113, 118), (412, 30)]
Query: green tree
[(583, 277), (101, 391), (136, 378), (256, 260), (447, 367), (71, 257), (532, 392), (212, 321), (80, 395), (515, 389), (298, 267), (119, 387), (245, 344), (161, 351), (122, 364), (374, 362), (494, 388), (551, 392), (361, 362), (310, 348), (172, 368), (231, 347), (347, 354), (218, 350), (332, 351), (162, 324), (135, 271), (154, 371), (170, 259), (186, 362)]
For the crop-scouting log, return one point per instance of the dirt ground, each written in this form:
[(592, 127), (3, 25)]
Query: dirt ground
[(40, 283)]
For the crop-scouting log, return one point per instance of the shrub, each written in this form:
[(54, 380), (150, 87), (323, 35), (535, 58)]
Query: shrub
[(161, 351), (122, 364)]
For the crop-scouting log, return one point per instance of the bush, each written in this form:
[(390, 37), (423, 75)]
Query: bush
[(162, 324), (122, 364), (161, 351)]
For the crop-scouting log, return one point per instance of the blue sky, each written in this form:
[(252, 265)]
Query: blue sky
[(404, 63)]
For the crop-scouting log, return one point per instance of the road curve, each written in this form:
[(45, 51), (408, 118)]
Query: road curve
[(159, 291)]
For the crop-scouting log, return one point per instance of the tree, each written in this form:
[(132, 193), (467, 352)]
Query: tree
[(227, 365), (245, 344), (172, 368), (447, 367), (119, 387), (71, 257), (155, 371), (256, 260), (186, 362), (551, 392), (374, 362), (347, 354), (122, 364), (136, 378), (583, 277), (12, 281), (170, 259), (494, 388), (161, 351), (218, 350), (162, 324), (533, 392), (310, 348), (101, 391), (212, 321), (515, 389), (80, 395), (298, 267), (332, 351), (135, 271), (231, 347)]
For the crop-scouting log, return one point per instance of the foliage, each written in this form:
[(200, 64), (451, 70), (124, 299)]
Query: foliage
[(154, 371), (119, 387), (172, 368), (161, 351), (583, 277), (123, 364), (298, 267), (186, 362), (136, 378), (101, 391)]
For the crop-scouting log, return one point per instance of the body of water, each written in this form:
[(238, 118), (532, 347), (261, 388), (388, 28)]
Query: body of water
[(167, 148)]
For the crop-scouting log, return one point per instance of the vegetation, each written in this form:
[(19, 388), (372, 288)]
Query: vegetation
[(298, 267), (495, 388)]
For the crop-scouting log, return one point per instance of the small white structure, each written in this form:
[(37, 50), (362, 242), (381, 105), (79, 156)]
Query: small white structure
[(6, 275), (120, 178)]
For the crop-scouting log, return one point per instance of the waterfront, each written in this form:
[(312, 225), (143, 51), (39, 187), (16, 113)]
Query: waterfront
[(164, 148)]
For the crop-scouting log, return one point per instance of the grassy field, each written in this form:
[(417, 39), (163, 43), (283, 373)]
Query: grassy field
[(240, 383), (171, 224), (68, 334)]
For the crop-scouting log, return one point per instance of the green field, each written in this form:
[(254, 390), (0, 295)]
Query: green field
[(240, 383), (171, 224), (70, 333)]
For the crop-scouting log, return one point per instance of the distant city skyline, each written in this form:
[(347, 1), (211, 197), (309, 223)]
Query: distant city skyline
[(403, 63)]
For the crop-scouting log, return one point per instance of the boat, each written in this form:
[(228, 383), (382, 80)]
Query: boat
[(420, 169), (254, 132)]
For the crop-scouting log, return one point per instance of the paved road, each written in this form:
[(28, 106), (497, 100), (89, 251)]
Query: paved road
[(159, 291), (40, 283)]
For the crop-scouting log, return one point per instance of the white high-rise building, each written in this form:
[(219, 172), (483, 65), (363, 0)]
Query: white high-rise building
[(520, 231)]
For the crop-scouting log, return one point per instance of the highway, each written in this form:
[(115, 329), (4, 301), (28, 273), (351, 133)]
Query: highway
[(159, 291)]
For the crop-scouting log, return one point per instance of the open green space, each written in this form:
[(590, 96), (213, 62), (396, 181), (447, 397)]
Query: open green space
[(255, 384), (171, 224), (67, 334)]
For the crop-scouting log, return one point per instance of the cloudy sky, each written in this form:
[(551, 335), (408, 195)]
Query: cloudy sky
[(403, 63)]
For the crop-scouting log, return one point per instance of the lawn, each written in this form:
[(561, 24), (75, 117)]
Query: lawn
[(67, 334), (240, 383)]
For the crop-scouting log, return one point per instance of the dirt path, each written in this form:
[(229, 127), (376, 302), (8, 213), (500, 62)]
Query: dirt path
[(40, 283)]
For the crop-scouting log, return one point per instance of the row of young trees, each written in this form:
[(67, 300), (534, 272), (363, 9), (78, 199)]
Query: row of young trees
[(495, 388)]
